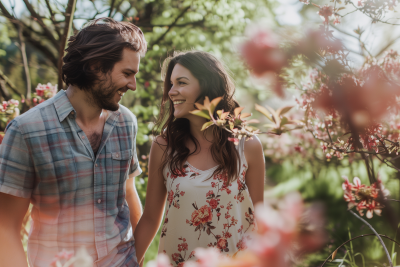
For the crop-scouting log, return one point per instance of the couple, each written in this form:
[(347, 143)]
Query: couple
[(73, 158)]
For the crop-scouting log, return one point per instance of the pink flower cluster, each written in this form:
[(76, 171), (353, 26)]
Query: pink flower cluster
[(364, 197), (9, 110), (281, 234), (44, 92)]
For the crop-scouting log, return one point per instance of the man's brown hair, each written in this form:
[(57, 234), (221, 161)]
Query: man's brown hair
[(97, 47)]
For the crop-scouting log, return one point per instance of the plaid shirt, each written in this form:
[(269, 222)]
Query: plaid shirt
[(78, 198)]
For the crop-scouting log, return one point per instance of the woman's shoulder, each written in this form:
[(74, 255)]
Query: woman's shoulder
[(251, 147), (159, 143)]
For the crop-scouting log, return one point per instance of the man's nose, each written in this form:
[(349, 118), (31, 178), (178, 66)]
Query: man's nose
[(132, 84)]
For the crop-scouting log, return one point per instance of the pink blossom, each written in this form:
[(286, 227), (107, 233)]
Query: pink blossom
[(161, 261), (261, 51), (325, 12)]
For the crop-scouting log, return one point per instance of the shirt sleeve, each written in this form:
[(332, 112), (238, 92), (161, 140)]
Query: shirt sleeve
[(17, 173), (135, 169)]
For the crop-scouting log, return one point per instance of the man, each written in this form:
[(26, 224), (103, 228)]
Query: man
[(74, 158)]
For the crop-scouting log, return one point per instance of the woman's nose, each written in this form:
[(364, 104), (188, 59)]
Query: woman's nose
[(173, 92)]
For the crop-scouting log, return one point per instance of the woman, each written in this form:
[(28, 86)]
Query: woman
[(209, 184)]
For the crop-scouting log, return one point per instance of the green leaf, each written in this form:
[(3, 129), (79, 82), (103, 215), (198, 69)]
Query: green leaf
[(284, 121), (214, 104), (264, 111), (284, 110), (201, 113), (206, 125)]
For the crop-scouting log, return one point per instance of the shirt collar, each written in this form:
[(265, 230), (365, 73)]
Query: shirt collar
[(62, 105)]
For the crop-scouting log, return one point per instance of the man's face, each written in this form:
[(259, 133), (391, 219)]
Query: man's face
[(110, 88)]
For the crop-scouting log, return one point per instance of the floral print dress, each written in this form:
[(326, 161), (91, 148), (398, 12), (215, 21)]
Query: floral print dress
[(202, 211)]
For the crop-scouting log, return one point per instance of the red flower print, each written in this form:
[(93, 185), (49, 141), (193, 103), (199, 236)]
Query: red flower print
[(170, 196), (218, 214), (222, 243), (180, 173), (202, 215), (241, 245), (240, 197), (234, 221), (213, 203), (182, 193), (227, 235), (182, 247), (181, 264), (222, 206), (175, 256), (191, 254), (213, 184), (210, 193)]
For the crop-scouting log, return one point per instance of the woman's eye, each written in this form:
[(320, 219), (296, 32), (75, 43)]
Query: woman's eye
[(182, 83)]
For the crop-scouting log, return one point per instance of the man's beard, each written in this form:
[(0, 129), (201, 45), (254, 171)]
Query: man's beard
[(103, 95)]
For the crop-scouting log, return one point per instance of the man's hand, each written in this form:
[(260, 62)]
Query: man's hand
[(133, 200), (12, 212)]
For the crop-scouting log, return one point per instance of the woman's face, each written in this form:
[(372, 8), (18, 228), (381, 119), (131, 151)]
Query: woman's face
[(184, 91)]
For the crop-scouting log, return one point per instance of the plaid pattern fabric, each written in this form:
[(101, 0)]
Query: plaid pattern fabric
[(78, 198)]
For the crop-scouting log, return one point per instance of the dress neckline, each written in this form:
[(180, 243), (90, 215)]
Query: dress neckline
[(211, 169)]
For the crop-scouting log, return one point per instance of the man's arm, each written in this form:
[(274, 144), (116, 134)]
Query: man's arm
[(12, 212), (133, 200)]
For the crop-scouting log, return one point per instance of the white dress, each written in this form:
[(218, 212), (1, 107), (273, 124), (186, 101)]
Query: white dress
[(203, 212)]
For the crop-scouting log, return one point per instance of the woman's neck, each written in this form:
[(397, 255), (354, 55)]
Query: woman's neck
[(196, 124)]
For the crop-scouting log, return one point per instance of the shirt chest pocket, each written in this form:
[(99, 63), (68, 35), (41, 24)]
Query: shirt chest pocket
[(121, 162)]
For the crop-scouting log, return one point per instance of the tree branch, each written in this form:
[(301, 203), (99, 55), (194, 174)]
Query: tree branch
[(111, 8), (36, 17), (25, 62), (52, 18), (387, 46), (9, 83), (69, 15), (170, 26)]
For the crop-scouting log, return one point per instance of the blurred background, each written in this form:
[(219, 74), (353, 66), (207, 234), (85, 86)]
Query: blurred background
[(32, 34)]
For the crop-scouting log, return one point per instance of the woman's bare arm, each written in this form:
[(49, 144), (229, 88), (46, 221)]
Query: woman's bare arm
[(155, 201), (255, 175)]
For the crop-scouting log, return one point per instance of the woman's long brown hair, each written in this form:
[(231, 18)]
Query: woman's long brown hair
[(214, 82)]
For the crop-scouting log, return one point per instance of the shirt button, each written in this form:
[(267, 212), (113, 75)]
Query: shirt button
[(99, 201), (83, 137), (116, 155), (96, 165), (72, 112)]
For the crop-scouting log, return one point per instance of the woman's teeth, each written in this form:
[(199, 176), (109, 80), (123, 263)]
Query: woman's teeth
[(178, 102)]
